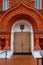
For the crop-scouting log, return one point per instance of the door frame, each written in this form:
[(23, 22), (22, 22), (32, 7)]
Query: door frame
[(13, 30)]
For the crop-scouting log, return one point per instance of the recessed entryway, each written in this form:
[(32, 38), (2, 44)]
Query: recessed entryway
[(22, 37)]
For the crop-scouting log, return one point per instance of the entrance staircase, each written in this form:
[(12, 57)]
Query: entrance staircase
[(19, 60)]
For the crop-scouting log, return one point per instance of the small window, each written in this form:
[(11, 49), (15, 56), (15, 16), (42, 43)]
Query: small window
[(38, 4), (5, 5), (3, 43), (41, 42), (21, 26)]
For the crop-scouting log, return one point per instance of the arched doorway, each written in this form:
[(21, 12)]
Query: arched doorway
[(22, 37), (30, 14)]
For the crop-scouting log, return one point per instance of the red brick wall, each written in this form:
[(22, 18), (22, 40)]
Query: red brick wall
[(14, 2), (5, 24), (42, 3), (10, 3), (1, 4)]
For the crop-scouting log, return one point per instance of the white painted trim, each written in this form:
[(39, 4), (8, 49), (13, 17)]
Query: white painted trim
[(31, 31)]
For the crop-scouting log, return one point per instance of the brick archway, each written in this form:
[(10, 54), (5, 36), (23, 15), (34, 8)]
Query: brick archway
[(22, 16), (21, 8)]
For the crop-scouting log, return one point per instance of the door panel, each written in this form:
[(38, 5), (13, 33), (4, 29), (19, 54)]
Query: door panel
[(21, 42), (17, 42), (26, 41)]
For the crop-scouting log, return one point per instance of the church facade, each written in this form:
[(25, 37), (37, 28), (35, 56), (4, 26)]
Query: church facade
[(21, 30)]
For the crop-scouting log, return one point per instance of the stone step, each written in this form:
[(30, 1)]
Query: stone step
[(19, 60)]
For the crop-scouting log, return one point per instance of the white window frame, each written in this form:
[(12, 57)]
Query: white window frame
[(38, 4), (5, 5)]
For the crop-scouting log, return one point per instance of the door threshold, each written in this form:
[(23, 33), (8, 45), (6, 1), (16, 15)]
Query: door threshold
[(22, 53)]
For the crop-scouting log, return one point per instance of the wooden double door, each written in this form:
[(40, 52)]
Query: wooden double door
[(22, 42)]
